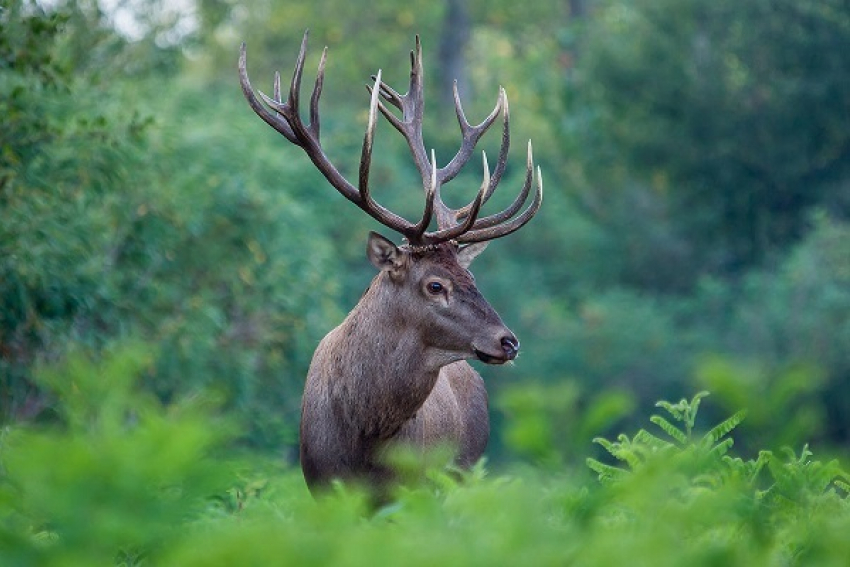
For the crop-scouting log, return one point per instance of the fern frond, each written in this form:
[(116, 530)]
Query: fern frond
[(694, 403), (792, 457), (735, 463), (805, 454), (823, 475), (673, 409), (722, 448), (632, 457), (757, 465), (691, 410), (627, 451), (723, 428), (652, 442), (669, 429), (607, 445), (606, 473), (624, 440)]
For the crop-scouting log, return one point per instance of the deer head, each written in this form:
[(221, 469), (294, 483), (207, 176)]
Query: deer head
[(435, 294), (443, 281)]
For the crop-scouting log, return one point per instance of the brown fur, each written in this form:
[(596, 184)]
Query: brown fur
[(394, 369)]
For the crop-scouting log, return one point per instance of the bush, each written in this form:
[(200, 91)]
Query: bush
[(122, 479), (149, 222)]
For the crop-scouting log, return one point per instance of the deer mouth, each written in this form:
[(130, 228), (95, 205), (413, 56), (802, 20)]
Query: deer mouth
[(510, 348), (495, 359), (489, 358)]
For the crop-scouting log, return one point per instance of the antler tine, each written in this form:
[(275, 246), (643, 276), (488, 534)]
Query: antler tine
[(453, 232), (295, 84), (503, 154), (412, 108), (390, 95), (507, 228), (430, 194), (471, 134), (287, 120), (380, 213), (317, 93), (368, 139), (396, 100), (276, 121), (520, 199), (414, 93), (276, 87)]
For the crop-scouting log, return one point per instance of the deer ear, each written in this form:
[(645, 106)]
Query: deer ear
[(383, 254), (468, 253)]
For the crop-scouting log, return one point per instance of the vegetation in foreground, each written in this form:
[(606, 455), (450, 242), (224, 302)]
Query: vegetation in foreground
[(699, 220), (140, 483)]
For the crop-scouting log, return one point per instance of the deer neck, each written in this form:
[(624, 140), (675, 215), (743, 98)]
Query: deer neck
[(385, 371)]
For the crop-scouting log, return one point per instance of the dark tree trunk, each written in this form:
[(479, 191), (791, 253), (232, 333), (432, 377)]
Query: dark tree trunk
[(452, 55), (578, 8), (576, 13)]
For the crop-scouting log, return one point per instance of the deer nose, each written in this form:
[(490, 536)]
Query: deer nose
[(510, 346)]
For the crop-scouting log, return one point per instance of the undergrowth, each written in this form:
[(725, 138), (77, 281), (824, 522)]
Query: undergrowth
[(118, 478)]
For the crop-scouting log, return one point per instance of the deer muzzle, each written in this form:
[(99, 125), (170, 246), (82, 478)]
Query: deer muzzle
[(508, 349)]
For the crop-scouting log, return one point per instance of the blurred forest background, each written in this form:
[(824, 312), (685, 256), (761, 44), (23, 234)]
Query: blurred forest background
[(695, 232)]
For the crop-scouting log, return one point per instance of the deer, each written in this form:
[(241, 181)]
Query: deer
[(395, 371)]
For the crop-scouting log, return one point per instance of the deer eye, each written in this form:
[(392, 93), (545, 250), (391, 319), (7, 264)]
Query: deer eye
[(434, 288)]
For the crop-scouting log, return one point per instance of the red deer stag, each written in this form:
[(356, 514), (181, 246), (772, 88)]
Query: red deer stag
[(395, 370)]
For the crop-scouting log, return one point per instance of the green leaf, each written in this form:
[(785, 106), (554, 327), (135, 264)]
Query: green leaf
[(669, 429), (606, 472), (724, 428)]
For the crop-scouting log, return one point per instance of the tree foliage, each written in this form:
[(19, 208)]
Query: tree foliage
[(695, 218), (729, 117), (122, 222)]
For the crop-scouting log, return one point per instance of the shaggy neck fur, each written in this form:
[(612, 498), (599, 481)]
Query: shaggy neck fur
[(375, 351)]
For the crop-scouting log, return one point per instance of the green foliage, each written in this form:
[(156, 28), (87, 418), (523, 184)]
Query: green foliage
[(112, 477), (150, 231), (549, 424), (717, 501), (137, 482), (737, 134), (644, 446), (60, 205), (775, 480), (141, 197), (784, 335)]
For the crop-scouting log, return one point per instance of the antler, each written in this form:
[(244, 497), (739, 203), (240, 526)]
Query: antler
[(460, 225)]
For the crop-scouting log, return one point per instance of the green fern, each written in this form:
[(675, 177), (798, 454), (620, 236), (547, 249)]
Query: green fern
[(783, 481), (723, 429), (720, 449), (670, 429), (684, 411), (622, 450), (607, 473), (704, 459), (653, 443)]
